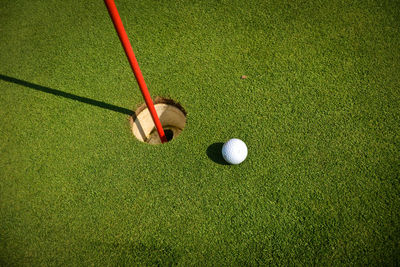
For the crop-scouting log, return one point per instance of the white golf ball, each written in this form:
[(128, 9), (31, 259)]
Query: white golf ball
[(234, 151)]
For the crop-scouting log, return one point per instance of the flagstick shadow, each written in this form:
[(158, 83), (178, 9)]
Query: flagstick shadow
[(56, 92)]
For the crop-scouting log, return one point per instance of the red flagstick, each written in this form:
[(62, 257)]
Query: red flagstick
[(123, 37)]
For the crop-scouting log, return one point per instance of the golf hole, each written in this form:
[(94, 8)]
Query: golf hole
[(172, 117)]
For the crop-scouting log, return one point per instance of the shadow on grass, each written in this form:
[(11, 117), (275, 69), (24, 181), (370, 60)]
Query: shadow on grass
[(67, 95), (214, 153)]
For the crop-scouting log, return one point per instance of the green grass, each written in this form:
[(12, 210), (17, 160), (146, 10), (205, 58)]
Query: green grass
[(319, 111)]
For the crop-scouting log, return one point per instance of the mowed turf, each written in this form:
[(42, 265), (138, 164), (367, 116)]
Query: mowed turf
[(319, 112)]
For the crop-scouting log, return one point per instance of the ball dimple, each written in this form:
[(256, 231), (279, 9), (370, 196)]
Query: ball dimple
[(234, 151)]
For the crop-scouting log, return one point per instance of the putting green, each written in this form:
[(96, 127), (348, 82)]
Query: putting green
[(319, 112)]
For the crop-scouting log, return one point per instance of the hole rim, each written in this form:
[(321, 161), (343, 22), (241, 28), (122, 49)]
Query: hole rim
[(175, 131)]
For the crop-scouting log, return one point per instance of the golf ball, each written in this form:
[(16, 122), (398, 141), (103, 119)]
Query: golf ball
[(234, 151)]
